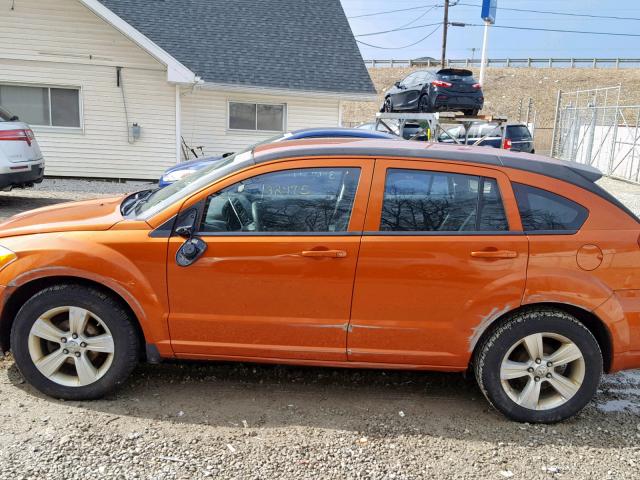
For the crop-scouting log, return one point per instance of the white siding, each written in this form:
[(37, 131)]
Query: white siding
[(204, 118), (61, 43), (65, 30)]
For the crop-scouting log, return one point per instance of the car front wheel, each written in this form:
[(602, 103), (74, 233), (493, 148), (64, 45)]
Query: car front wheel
[(387, 107), (74, 342), (540, 366)]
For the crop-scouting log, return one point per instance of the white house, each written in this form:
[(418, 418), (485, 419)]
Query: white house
[(111, 87)]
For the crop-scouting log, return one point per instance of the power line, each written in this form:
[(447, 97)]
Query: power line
[(510, 27), (550, 12), (417, 18), (405, 46), (397, 30), (394, 11)]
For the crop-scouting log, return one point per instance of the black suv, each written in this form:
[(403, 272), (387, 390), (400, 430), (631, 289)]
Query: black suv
[(445, 90), (517, 137)]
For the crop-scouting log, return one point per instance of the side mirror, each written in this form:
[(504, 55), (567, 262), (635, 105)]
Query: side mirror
[(15, 118), (190, 251), (397, 84), (193, 247)]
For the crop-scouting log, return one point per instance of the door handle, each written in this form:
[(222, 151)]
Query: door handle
[(495, 254), (324, 253)]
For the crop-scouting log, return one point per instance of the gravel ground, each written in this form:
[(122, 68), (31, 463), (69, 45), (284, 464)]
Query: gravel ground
[(218, 420)]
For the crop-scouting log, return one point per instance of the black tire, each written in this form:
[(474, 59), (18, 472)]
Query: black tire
[(471, 113), (111, 312), (496, 344), (387, 106), (423, 104)]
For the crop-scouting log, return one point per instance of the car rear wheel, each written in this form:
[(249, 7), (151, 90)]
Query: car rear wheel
[(540, 366), (423, 105), (471, 113), (74, 342)]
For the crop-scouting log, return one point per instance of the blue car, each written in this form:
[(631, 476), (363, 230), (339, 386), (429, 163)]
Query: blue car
[(185, 169)]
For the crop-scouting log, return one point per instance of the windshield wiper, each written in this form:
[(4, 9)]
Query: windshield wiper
[(132, 202)]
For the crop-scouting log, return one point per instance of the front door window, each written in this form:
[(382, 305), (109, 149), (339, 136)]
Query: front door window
[(292, 201)]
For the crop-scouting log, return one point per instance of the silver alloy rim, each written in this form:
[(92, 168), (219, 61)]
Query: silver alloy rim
[(542, 371), (71, 346)]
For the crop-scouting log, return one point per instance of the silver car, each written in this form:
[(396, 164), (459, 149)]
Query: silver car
[(21, 161)]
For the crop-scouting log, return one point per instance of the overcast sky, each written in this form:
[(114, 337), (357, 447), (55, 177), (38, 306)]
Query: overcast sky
[(502, 43)]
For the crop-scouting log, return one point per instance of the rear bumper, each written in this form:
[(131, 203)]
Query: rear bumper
[(451, 101), (21, 175), (621, 315)]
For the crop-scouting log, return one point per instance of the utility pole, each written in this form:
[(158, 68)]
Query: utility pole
[(483, 64), (445, 25)]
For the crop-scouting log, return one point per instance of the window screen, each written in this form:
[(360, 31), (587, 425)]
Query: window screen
[(541, 210), (417, 200), (256, 116), (302, 200)]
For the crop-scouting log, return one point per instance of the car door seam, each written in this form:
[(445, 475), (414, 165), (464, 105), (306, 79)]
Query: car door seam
[(348, 326)]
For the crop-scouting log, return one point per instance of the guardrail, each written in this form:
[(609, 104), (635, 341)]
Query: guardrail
[(514, 62)]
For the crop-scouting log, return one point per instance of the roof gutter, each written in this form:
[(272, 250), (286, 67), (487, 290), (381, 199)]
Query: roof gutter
[(288, 92), (176, 72)]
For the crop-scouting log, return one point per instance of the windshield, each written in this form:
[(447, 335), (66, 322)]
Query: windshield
[(162, 198)]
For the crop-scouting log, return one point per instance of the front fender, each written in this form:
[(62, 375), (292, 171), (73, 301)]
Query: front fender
[(131, 264)]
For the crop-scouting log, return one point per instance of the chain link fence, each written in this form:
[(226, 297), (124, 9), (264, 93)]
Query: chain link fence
[(592, 127)]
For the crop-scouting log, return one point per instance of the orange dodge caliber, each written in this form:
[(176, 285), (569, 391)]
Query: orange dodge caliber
[(342, 253)]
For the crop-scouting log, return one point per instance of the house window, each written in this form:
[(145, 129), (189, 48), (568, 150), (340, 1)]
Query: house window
[(43, 106), (256, 116)]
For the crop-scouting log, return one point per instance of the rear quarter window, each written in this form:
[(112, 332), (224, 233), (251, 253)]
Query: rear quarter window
[(542, 211)]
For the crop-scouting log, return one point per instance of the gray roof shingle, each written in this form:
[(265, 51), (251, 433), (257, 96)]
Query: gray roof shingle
[(290, 44)]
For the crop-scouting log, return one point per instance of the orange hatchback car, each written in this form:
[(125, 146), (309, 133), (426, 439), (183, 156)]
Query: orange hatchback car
[(342, 253)]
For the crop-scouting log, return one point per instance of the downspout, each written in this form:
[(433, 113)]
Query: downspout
[(193, 86), (178, 125)]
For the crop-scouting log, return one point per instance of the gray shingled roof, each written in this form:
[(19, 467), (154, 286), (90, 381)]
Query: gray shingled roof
[(291, 44)]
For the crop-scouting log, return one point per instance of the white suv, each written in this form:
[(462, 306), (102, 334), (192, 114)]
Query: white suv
[(21, 161)]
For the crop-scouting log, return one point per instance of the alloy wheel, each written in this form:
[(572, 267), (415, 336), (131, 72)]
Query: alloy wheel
[(542, 371), (71, 346)]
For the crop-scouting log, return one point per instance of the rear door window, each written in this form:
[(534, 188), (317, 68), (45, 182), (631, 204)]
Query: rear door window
[(542, 211), (428, 201)]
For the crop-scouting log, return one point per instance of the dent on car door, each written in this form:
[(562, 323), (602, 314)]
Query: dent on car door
[(442, 255), (277, 275)]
